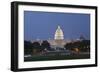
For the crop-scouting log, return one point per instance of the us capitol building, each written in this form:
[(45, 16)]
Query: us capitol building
[(58, 41), (58, 38)]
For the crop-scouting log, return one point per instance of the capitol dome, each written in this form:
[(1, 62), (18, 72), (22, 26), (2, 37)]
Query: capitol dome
[(59, 34)]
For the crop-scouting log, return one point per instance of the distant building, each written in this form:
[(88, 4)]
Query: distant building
[(82, 37)]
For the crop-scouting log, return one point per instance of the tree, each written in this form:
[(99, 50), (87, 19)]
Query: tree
[(82, 46), (45, 45), (85, 45), (36, 47), (68, 46), (27, 47)]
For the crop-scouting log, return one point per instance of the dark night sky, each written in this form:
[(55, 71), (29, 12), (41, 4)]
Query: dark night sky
[(42, 25)]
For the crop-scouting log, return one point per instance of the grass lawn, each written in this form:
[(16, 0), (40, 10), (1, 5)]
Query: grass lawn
[(56, 57)]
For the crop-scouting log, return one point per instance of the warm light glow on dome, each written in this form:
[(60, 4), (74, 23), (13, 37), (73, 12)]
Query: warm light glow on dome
[(59, 34)]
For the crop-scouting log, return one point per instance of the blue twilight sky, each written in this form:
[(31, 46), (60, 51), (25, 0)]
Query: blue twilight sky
[(42, 25)]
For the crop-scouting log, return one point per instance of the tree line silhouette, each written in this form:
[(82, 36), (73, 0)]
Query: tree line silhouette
[(82, 46), (36, 47)]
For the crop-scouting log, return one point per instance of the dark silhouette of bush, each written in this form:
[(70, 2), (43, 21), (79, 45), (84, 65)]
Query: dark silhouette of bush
[(36, 47), (45, 45), (27, 47), (83, 45)]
